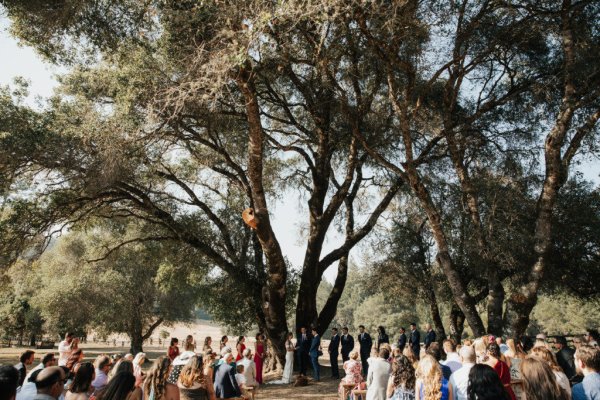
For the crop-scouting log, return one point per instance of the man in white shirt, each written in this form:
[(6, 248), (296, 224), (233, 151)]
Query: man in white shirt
[(65, 348), (460, 379), (453, 360)]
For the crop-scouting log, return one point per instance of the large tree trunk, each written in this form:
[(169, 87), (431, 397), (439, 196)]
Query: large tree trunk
[(274, 289), (457, 323), (434, 309)]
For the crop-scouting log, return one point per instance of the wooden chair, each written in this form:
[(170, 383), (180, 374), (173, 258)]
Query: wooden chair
[(356, 394), (252, 391), (346, 390)]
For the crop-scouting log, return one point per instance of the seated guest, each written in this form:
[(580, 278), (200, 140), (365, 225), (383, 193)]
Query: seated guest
[(9, 381), (28, 391), (26, 359), (587, 360), (193, 382), (460, 379), (75, 358), (434, 351), (50, 383), (49, 360), (81, 387), (484, 384), (353, 371), (565, 357), (431, 384), (452, 358), (546, 355), (156, 380), (120, 387), (241, 381), (539, 381), (249, 368), (378, 375), (401, 385), (138, 361), (103, 364), (226, 386), (493, 355), (127, 367)]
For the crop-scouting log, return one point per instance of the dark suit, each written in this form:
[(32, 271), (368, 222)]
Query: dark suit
[(303, 347), (382, 339), (347, 346), (429, 338), (314, 356), (566, 359), (402, 341), (366, 343), (226, 386), (333, 348), (22, 370), (415, 343)]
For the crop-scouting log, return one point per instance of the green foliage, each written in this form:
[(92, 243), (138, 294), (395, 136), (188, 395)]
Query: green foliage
[(565, 314)]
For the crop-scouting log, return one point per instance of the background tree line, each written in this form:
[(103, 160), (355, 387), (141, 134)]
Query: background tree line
[(461, 119)]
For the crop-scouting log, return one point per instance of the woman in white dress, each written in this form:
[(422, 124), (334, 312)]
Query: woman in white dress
[(288, 370)]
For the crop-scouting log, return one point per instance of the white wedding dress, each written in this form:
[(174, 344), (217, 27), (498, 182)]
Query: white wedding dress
[(288, 370)]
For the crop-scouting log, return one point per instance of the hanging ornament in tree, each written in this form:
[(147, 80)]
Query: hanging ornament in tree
[(249, 218)]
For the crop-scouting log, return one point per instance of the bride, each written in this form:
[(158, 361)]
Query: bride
[(288, 370)]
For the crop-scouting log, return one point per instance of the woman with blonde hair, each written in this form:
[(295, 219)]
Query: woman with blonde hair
[(539, 382), (156, 380), (190, 343), (207, 345), (546, 355), (353, 369), (193, 382), (431, 384), (138, 361), (408, 353)]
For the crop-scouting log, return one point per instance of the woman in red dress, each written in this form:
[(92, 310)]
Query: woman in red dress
[(259, 356), (240, 346), (501, 368)]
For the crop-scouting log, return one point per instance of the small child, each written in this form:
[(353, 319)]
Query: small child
[(241, 381)]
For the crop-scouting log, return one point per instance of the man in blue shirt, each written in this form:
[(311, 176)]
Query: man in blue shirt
[(587, 360)]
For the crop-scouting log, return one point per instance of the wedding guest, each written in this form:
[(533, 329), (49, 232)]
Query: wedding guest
[(431, 384), (193, 382), (546, 355), (353, 371), (539, 382), (240, 347), (173, 351), (81, 387), (484, 384), (493, 355), (156, 381), (120, 387), (249, 368), (401, 384), (259, 356)]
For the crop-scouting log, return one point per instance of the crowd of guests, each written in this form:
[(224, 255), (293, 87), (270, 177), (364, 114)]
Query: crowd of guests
[(483, 369), (187, 374)]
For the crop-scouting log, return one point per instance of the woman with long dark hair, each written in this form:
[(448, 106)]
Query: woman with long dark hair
[(259, 357), (484, 384), (173, 351), (240, 347), (80, 388), (382, 337), (120, 387), (156, 380), (223, 342), (401, 385)]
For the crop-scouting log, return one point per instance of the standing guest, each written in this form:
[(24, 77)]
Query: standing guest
[(333, 349), (121, 387), (539, 382), (402, 339), (249, 368), (378, 376), (493, 354), (259, 357), (173, 351), (313, 352), (65, 348), (303, 346), (459, 380), (240, 347), (453, 360), (565, 357), (592, 335), (156, 381), (138, 361), (401, 385), (103, 364), (226, 386), (382, 337), (431, 384), (193, 382), (353, 371), (50, 383), (27, 358), (408, 353), (546, 355), (587, 360), (415, 340), (207, 345), (347, 344), (429, 336), (484, 384), (81, 388), (366, 343), (223, 342), (190, 343), (49, 360), (9, 380)]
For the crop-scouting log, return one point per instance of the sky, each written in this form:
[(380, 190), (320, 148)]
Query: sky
[(287, 217)]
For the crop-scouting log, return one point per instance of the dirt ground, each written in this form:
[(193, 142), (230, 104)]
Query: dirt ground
[(326, 389)]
